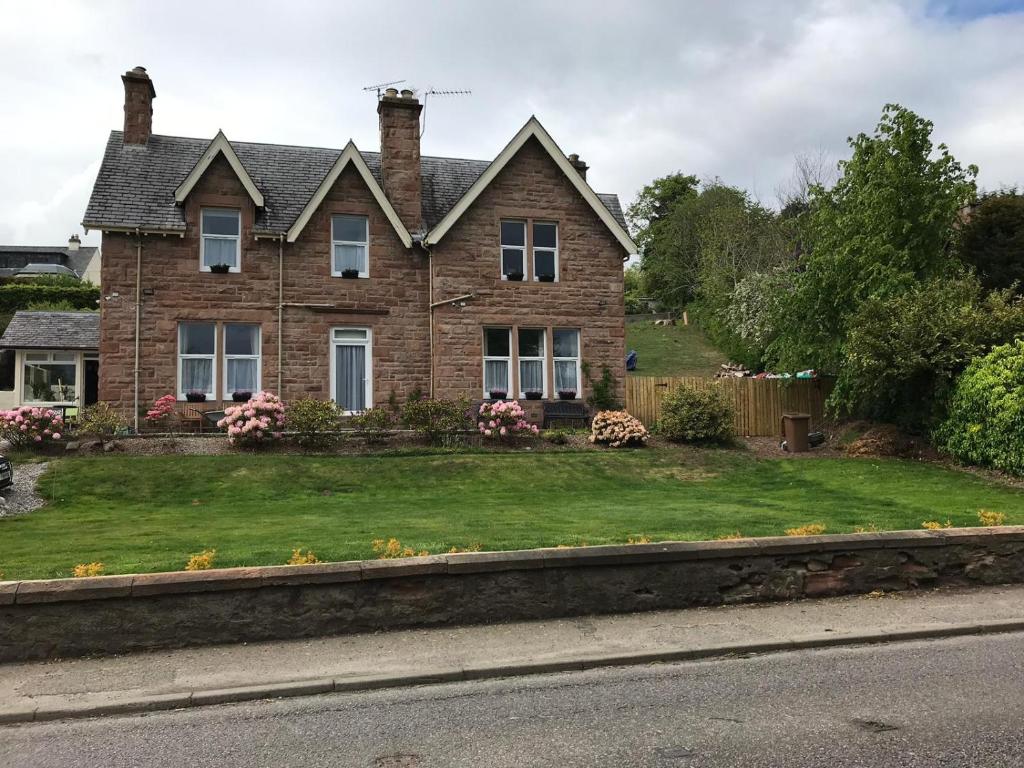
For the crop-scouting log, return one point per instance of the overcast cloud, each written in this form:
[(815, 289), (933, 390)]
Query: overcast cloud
[(638, 89)]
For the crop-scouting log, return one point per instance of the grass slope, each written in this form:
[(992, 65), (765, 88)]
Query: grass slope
[(674, 350), (149, 513)]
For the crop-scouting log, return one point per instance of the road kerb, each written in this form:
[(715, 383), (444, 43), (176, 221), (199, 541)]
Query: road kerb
[(351, 684)]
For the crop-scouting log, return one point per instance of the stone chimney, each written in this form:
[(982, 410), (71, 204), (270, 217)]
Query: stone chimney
[(138, 106), (400, 154), (74, 243), (579, 165)]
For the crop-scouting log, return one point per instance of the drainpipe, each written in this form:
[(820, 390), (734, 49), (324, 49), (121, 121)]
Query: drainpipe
[(430, 310), (138, 322), (280, 310)]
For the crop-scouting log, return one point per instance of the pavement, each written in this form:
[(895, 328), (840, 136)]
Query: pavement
[(146, 682), (952, 702)]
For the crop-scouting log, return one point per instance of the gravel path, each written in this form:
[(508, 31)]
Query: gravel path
[(21, 497)]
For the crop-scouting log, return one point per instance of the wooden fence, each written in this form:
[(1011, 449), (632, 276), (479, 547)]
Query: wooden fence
[(759, 403)]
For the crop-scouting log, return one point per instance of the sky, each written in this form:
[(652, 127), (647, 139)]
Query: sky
[(638, 89)]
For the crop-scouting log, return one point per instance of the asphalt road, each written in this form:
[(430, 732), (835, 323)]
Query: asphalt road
[(953, 702)]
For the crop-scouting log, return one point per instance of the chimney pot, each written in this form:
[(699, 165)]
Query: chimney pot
[(138, 106), (406, 93), (580, 166), (391, 92)]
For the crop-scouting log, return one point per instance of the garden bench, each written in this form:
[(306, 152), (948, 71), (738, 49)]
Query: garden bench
[(566, 413)]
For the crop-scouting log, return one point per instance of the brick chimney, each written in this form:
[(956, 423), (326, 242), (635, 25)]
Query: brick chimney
[(579, 165), (400, 154), (138, 106)]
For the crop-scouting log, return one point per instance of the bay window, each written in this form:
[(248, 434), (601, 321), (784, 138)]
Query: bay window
[(497, 360), (566, 357), (350, 244), (50, 377), (513, 250), (220, 239), (241, 359), (197, 355), (532, 376)]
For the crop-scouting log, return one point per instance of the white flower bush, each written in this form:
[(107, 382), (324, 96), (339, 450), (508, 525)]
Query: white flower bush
[(617, 429)]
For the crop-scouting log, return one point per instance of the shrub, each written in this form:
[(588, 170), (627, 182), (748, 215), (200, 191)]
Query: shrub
[(985, 424), (602, 391), (437, 420), (557, 436), (84, 570), (991, 519), (935, 525), (812, 529), (303, 558), (504, 418), (201, 562), (617, 429), (374, 424), (393, 549), (99, 419), (162, 408), (696, 415), (31, 426), (256, 422), (314, 422)]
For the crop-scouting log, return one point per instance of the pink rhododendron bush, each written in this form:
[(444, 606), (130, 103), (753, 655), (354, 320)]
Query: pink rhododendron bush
[(617, 429), (31, 426), (504, 418), (161, 409), (256, 422)]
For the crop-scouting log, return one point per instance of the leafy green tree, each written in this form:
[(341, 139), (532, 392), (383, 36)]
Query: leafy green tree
[(888, 223), (635, 304), (992, 240)]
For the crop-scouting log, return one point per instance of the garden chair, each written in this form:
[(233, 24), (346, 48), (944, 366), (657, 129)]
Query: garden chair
[(190, 419)]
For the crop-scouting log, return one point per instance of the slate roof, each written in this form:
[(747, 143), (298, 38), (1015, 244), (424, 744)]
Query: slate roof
[(135, 186), (59, 254), (52, 330)]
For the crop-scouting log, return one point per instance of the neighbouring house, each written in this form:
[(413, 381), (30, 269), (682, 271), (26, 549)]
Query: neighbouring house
[(73, 260), (335, 273), (56, 359)]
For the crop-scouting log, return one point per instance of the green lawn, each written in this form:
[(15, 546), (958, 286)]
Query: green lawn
[(674, 350), (150, 513)]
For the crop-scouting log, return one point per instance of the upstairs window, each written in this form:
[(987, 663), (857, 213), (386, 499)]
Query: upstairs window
[(545, 252), (532, 377), (513, 250), (220, 241), (197, 354), (497, 361), (350, 243), (241, 359)]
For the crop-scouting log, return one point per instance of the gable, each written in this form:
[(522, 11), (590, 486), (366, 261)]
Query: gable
[(220, 146), (349, 157), (532, 130)]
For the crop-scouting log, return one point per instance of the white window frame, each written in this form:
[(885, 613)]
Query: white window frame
[(212, 394), (520, 359), (49, 360), (368, 373), (534, 249), (497, 358), (237, 238), (521, 248), (258, 357), (577, 359), (366, 244)]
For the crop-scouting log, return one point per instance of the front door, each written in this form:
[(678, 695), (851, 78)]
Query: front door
[(352, 368), (92, 381)]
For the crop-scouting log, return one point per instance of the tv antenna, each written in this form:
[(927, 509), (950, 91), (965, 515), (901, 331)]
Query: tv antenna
[(437, 92), (381, 86)]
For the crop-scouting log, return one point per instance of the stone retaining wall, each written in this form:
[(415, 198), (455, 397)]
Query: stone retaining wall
[(115, 614)]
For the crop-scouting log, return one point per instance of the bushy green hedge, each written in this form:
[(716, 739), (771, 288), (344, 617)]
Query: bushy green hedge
[(691, 415), (15, 296), (985, 424)]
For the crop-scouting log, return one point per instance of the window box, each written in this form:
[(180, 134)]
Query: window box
[(498, 394), (241, 397), (195, 397), (548, 278), (514, 276), (220, 269), (534, 394), (350, 274), (567, 394)]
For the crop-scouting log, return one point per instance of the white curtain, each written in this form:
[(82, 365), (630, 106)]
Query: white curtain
[(565, 375), (496, 375), (531, 375), (218, 251), (197, 374), (241, 375), (350, 377), (349, 257)]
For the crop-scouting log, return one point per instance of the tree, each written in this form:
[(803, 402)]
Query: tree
[(992, 240), (886, 224), (633, 279)]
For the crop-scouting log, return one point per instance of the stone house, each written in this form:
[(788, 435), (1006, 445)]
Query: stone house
[(356, 276)]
